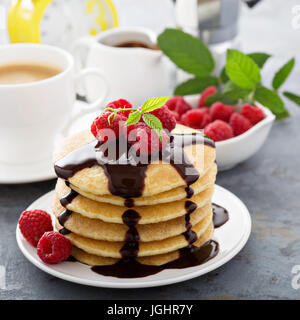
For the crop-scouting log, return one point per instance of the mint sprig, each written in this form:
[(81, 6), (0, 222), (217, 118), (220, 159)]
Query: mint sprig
[(239, 81)]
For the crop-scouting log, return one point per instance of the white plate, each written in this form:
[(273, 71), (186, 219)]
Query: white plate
[(231, 237)]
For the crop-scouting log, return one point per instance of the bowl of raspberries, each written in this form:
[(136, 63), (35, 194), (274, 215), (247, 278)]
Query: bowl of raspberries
[(239, 131)]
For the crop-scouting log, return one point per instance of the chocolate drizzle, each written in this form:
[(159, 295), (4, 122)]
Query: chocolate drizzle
[(189, 192), (130, 248), (64, 231), (190, 256), (189, 234), (68, 198), (129, 203), (220, 215), (64, 216)]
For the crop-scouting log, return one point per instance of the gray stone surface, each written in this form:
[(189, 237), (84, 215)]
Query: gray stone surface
[(268, 183)]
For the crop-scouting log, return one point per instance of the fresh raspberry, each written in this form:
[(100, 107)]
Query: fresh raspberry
[(53, 247), (196, 118), (101, 125), (221, 111), (239, 123), (205, 109), (176, 115), (166, 117), (209, 91), (179, 105), (33, 224), (252, 113), (121, 103), (218, 130), (144, 140)]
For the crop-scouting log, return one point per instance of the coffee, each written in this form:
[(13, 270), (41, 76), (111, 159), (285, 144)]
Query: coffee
[(134, 45), (19, 73)]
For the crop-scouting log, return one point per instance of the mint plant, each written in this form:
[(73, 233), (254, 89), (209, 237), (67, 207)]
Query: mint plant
[(239, 81)]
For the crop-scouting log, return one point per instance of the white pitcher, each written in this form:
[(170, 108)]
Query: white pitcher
[(135, 73)]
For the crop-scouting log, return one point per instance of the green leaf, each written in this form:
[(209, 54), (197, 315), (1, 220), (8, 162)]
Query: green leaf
[(152, 104), (195, 85), (134, 117), (223, 76), (153, 123), (187, 52), (242, 70), (219, 97), (283, 73), (293, 97), (283, 115), (259, 58), (271, 100), (234, 92)]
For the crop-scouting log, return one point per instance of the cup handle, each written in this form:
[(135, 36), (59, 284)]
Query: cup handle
[(93, 106)]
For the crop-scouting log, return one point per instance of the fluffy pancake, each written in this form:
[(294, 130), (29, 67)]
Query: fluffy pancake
[(94, 180), (149, 214), (164, 197), (100, 230), (112, 249), (157, 260)]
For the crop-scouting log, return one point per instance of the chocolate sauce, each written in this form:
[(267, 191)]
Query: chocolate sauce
[(189, 192), (189, 234), (129, 203), (68, 198), (71, 259), (125, 171), (64, 231), (189, 257), (130, 248), (220, 215), (64, 216)]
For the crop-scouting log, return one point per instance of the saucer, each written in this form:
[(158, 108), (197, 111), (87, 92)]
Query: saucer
[(232, 237)]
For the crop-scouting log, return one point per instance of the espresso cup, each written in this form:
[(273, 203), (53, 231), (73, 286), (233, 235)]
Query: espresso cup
[(33, 113)]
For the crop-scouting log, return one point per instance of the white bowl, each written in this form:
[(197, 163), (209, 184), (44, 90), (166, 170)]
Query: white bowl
[(238, 149)]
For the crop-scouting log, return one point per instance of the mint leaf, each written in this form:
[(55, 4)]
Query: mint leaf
[(283, 73), (153, 123), (152, 104), (195, 85), (219, 97), (133, 117), (283, 115), (293, 97), (224, 78), (187, 52), (234, 92), (242, 70), (271, 100), (259, 58)]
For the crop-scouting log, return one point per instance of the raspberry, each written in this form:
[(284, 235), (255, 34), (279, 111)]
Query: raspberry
[(166, 117), (121, 103), (179, 105), (252, 113), (209, 91), (176, 115), (144, 140), (205, 109), (33, 224), (239, 123), (101, 125), (196, 119), (221, 111), (218, 130), (53, 247)]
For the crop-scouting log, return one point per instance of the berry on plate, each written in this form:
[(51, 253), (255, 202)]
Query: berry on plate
[(220, 111), (166, 117), (209, 91), (252, 113), (105, 129), (218, 130), (239, 123), (121, 103), (33, 224), (196, 118), (178, 104), (144, 140), (53, 247)]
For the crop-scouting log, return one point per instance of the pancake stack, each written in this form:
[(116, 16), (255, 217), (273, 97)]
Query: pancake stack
[(146, 212)]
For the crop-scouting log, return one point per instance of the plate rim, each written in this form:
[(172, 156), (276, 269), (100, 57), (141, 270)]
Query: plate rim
[(155, 283)]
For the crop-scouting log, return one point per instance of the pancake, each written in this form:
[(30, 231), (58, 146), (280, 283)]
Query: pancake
[(112, 249), (157, 260), (100, 230), (164, 197), (148, 214), (94, 180)]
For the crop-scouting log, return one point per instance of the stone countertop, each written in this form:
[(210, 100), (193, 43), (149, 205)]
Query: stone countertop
[(268, 183)]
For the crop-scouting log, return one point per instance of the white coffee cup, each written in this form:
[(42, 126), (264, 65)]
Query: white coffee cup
[(32, 114), (134, 74)]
